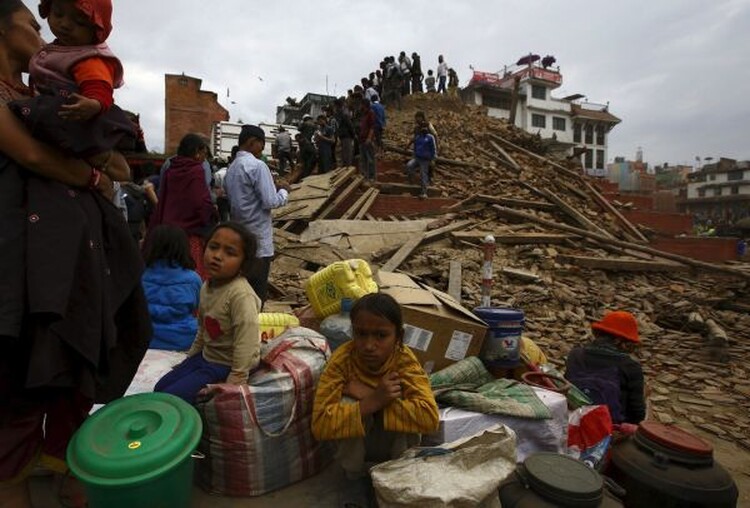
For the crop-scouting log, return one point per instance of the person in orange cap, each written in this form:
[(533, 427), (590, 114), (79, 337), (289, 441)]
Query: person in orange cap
[(605, 370)]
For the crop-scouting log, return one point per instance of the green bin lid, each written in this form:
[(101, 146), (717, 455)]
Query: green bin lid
[(134, 439)]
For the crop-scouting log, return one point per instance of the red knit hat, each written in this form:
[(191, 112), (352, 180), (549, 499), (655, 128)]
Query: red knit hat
[(619, 323), (98, 11)]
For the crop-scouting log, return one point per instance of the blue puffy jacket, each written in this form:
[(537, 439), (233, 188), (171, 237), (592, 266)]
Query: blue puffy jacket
[(172, 293)]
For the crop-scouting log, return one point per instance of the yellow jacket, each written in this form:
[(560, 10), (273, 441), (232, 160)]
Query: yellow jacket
[(415, 413)]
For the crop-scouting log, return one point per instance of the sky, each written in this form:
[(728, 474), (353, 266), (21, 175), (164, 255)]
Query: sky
[(675, 71)]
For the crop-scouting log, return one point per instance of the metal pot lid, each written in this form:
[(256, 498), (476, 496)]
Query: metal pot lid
[(675, 438), (563, 479)]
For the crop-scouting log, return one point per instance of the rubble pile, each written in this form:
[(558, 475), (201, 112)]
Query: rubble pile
[(563, 256)]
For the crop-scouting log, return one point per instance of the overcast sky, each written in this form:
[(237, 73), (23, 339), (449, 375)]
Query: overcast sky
[(675, 71)]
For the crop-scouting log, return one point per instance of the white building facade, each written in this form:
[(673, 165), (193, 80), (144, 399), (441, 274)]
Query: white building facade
[(719, 191), (570, 125)]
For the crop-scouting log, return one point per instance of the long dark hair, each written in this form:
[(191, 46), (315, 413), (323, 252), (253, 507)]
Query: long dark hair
[(8, 8), (249, 244), (168, 244), (382, 305)]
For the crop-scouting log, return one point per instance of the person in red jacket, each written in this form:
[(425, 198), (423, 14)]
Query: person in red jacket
[(367, 123), (184, 198)]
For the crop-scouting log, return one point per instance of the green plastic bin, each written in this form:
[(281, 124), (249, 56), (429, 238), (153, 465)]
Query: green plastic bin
[(137, 452)]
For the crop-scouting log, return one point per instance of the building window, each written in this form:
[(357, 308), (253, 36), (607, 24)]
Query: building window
[(600, 135), (539, 92), (701, 193), (538, 121), (600, 159), (493, 101), (712, 177), (576, 133), (735, 189), (735, 175), (589, 159), (589, 134), (559, 124), (717, 191)]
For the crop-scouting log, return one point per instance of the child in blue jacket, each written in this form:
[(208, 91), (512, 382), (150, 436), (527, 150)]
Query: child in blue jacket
[(172, 289), (424, 152)]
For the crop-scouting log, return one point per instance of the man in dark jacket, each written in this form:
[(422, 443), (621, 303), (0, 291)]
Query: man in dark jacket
[(606, 372)]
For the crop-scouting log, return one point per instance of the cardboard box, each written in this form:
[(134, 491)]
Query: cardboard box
[(437, 328)]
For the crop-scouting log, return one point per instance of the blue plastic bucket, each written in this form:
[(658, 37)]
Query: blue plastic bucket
[(502, 345)]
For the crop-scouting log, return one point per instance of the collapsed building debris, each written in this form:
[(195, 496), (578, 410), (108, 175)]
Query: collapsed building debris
[(564, 254)]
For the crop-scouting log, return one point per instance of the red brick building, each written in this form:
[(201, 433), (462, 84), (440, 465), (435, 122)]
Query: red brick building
[(188, 109)]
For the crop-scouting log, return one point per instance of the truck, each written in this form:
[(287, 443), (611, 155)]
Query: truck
[(225, 135)]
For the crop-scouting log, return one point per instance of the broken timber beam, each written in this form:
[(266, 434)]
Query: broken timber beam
[(406, 249), (574, 214), (606, 205), (520, 203), (402, 253), (367, 204), (509, 212), (286, 235), (357, 204), (621, 264), (288, 210), (514, 239), (507, 156), (499, 160), (535, 155), (328, 210), (438, 160)]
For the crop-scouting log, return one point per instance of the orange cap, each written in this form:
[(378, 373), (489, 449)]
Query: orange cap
[(619, 323)]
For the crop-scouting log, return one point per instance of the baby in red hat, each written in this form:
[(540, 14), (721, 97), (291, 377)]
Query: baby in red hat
[(605, 370), (76, 76)]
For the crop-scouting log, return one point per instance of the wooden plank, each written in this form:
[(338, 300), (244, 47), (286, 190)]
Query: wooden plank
[(286, 235), (403, 188), (499, 160), (514, 239), (575, 214), (536, 156), (454, 280), (621, 264), (341, 197), (520, 274), (405, 251), (606, 205), (402, 253), (573, 189), (357, 204), (288, 210), (505, 154), (438, 233), (338, 177), (438, 160), (461, 204), (520, 203), (367, 205), (509, 212)]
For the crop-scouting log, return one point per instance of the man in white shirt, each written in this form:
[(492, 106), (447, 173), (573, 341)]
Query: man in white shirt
[(442, 73), (284, 149), (252, 195)]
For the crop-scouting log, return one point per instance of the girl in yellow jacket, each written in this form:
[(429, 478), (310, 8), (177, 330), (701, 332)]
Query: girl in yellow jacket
[(373, 398)]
